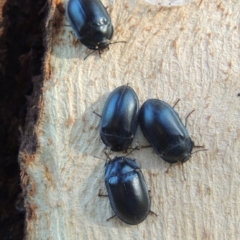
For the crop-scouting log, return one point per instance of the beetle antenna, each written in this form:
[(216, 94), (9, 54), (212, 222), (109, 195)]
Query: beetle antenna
[(176, 103), (205, 149), (90, 54), (186, 119)]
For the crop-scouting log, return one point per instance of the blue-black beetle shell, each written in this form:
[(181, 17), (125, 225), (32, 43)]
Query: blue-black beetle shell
[(119, 118), (90, 22), (165, 131), (127, 190)]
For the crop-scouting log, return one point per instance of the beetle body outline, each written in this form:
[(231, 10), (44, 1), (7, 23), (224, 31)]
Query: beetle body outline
[(165, 131), (127, 190), (90, 22), (119, 118)]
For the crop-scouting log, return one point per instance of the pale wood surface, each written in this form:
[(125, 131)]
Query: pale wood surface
[(191, 53)]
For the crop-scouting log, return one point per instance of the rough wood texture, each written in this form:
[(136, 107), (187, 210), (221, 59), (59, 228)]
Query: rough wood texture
[(191, 53)]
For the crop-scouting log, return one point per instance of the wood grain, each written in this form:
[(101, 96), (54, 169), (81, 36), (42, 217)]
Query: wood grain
[(191, 53)]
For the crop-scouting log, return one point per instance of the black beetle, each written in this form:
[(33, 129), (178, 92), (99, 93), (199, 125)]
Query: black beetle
[(127, 190), (90, 22), (165, 131), (119, 118)]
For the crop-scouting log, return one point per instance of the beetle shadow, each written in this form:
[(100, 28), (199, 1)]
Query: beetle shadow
[(146, 156), (67, 45), (84, 137)]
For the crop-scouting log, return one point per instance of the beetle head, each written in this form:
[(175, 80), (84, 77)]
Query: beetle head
[(186, 157), (97, 37), (102, 45), (187, 152), (96, 45)]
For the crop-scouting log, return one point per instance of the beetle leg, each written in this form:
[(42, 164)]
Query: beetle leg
[(145, 146), (102, 195), (108, 156), (89, 54), (153, 213), (176, 103), (130, 151), (205, 149), (169, 167), (111, 217), (100, 158), (134, 148), (125, 150), (117, 42), (186, 119), (198, 146), (97, 114), (149, 192)]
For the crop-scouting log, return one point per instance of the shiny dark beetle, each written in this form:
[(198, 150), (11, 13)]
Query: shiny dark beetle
[(127, 190), (90, 22), (165, 131), (119, 118)]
